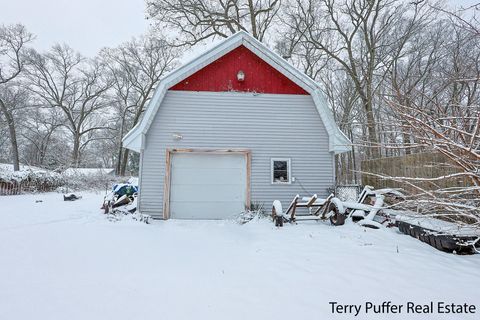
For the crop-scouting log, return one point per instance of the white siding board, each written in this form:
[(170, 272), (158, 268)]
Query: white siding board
[(271, 126)]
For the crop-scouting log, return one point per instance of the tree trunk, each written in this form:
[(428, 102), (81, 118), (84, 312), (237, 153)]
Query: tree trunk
[(123, 167), (406, 139), (13, 136), (118, 165), (405, 134), (76, 150), (124, 162), (372, 131), (252, 19), (120, 147)]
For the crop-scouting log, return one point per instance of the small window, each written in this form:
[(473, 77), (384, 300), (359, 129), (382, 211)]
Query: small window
[(281, 171)]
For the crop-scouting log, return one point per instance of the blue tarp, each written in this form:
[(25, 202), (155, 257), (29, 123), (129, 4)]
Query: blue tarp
[(124, 189)]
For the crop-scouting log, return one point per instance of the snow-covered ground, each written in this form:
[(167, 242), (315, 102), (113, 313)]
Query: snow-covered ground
[(65, 260)]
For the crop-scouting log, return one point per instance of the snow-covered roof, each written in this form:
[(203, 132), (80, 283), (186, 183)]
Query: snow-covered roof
[(338, 142), (88, 171)]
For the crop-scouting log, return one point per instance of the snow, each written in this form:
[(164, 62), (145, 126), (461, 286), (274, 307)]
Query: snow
[(87, 171), (27, 172), (443, 227), (133, 180), (65, 260)]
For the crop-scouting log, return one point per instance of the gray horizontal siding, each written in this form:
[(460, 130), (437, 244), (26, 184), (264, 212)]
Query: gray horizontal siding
[(271, 126)]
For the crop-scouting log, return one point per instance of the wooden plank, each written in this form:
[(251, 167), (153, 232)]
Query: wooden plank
[(311, 201), (214, 151), (306, 205), (292, 204), (309, 217), (166, 185), (294, 209)]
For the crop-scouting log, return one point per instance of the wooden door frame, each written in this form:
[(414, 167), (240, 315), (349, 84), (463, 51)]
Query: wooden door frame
[(168, 167)]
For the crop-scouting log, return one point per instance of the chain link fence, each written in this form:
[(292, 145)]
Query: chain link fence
[(348, 192)]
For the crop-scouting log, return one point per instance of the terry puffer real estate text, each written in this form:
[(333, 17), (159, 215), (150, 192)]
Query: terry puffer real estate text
[(388, 307)]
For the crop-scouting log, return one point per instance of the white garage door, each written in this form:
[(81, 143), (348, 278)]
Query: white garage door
[(207, 186)]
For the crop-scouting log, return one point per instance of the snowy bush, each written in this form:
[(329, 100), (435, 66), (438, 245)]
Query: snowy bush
[(34, 179), (256, 211), (28, 173), (92, 179), (88, 182), (28, 179)]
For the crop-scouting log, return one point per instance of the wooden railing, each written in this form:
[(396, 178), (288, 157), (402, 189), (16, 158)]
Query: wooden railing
[(13, 187)]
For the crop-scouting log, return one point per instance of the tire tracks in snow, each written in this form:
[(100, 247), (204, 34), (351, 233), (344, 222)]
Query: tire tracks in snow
[(48, 222)]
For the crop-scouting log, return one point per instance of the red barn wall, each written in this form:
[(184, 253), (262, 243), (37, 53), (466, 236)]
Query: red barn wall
[(221, 75)]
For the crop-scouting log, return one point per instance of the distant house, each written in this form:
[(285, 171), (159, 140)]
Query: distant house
[(235, 126), (89, 172)]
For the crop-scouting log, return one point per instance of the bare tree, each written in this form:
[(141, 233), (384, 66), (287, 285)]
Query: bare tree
[(197, 20), (435, 98), (362, 37), (136, 68), (40, 130), (456, 135), (4, 140), (13, 103), (412, 74), (441, 68), (13, 41), (77, 86)]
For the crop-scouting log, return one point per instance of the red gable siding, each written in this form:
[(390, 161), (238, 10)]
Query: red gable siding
[(221, 75)]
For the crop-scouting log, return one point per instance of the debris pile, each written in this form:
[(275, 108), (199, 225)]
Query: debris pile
[(122, 201), (71, 197)]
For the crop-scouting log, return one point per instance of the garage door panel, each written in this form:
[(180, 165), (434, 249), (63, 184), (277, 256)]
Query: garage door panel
[(195, 192), (208, 209), (214, 161), (206, 176), (207, 186)]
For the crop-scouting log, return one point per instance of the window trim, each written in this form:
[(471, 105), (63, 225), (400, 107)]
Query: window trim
[(289, 170)]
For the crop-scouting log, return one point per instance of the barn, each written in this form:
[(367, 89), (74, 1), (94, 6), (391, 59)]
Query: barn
[(236, 126)]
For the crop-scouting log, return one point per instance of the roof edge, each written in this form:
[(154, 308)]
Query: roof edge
[(134, 139)]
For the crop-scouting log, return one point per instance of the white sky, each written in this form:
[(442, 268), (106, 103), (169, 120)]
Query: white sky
[(86, 25)]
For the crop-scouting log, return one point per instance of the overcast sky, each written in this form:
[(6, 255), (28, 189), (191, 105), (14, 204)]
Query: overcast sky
[(86, 25)]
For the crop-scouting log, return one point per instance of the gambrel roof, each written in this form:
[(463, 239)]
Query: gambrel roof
[(338, 142)]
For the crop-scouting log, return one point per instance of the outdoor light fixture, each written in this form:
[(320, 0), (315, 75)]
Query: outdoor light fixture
[(240, 76), (177, 136)]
